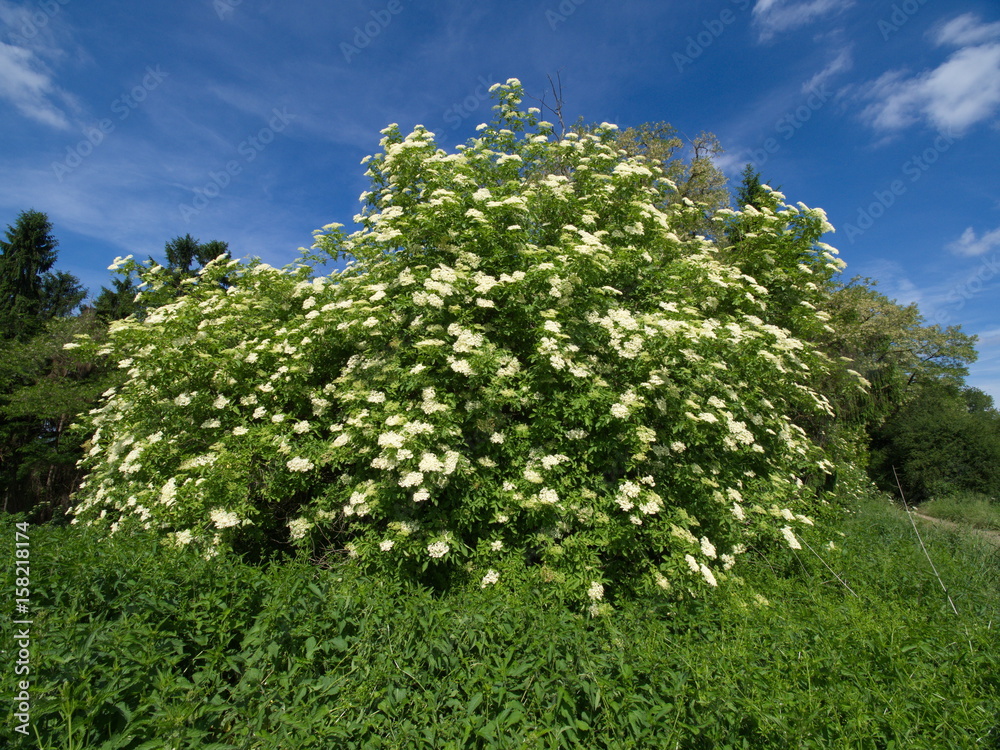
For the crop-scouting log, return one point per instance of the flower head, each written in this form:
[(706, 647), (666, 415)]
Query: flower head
[(223, 519), (793, 543), (298, 528), (707, 548), (438, 549), (490, 578), (299, 464)]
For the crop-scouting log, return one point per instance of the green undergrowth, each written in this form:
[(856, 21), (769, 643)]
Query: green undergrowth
[(136, 646), (973, 509)]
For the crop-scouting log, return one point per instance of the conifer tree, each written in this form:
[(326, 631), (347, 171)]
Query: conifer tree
[(751, 191), (25, 256)]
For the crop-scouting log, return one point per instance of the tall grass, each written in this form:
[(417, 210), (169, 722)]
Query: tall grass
[(976, 510), (142, 647)]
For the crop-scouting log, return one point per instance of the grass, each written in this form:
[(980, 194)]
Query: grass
[(136, 647), (974, 510)]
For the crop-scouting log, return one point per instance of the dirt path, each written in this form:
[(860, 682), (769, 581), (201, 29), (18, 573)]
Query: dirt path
[(988, 534)]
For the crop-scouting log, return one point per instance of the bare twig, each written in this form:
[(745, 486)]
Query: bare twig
[(557, 94)]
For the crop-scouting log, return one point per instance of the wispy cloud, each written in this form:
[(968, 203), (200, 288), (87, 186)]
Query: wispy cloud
[(961, 92), (134, 216), (776, 16), (33, 44), (971, 245), (731, 162), (894, 281), (840, 64), (965, 30), (26, 82)]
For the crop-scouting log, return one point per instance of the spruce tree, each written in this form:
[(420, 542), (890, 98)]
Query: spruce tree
[(750, 191), (62, 294), (25, 257)]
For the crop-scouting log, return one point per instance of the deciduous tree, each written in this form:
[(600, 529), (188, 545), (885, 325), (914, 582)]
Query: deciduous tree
[(943, 441)]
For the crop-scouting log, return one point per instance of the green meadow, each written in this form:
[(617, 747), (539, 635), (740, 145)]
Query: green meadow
[(136, 645)]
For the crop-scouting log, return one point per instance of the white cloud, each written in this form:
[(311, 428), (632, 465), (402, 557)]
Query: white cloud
[(17, 19), (965, 30), (970, 245), (961, 92), (730, 163), (141, 182), (842, 62), (774, 16), (892, 279), (27, 84)]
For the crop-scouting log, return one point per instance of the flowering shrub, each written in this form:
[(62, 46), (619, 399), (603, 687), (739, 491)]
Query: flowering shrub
[(523, 371)]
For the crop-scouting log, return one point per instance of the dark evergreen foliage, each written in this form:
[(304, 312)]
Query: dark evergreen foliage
[(25, 257)]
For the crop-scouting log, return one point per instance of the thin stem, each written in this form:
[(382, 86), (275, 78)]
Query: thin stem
[(909, 515), (830, 569)]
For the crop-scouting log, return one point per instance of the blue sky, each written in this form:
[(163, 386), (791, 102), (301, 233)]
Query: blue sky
[(246, 120)]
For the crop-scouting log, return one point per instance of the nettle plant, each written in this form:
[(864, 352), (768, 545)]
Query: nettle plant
[(522, 373)]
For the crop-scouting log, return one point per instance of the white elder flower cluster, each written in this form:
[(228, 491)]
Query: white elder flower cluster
[(438, 549), (515, 367), (298, 528), (490, 578), (223, 519), (299, 464)]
